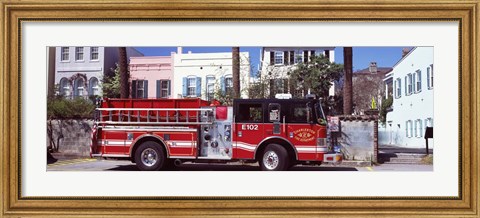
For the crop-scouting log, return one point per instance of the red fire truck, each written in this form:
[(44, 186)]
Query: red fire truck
[(159, 133)]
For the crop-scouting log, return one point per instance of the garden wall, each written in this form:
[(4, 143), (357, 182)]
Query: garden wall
[(71, 138), (358, 138)]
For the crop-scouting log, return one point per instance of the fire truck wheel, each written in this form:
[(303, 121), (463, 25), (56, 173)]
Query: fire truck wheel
[(274, 158), (149, 156)]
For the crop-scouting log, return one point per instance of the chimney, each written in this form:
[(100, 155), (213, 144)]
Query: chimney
[(373, 67), (405, 52), (179, 50)]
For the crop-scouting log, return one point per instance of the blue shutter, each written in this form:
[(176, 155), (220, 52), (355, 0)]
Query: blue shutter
[(159, 88), (145, 88), (184, 87), (134, 88), (199, 87), (222, 84), (406, 86)]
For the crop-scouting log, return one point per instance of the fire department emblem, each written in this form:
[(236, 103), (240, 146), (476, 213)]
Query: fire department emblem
[(304, 135)]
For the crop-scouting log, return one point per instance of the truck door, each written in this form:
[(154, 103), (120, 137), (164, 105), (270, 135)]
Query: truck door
[(275, 122), (302, 130), (249, 129)]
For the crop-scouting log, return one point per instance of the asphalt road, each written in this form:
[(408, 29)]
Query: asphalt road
[(126, 165)]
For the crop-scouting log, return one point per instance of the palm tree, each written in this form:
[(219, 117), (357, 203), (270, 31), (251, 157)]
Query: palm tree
[(124, 87), (347, 85), (236, 71)]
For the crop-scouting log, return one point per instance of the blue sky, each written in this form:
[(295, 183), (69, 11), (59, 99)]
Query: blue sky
[(362, 56)]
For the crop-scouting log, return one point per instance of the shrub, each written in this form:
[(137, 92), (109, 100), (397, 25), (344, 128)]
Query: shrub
[(78, 108)]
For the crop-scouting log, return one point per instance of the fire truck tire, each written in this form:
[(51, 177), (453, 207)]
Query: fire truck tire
[(150, 156), (274, 158)]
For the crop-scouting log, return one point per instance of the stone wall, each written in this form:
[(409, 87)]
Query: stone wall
[(71, 137), (358, 138)]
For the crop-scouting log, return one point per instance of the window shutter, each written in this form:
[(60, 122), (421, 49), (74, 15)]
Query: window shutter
[(134, 88), (159, 88), (406, 86), (327, 54), (413, 83), (272, 57), (312, 53), (272, 88), (419, 88), (400, 87), (305, 56), (199, 87), (222, 84), (169, 88), (428, 77), (292, 57), (395, 89), (184, 87), (285, 58), (145, 88)]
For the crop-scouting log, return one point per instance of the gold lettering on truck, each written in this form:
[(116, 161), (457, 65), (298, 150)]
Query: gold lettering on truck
[(304, 135)]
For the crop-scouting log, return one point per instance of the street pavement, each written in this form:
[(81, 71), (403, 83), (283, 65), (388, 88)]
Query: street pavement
[(92, 164)]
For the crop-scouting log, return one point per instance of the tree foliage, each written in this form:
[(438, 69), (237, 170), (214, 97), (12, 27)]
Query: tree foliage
[(316, 75), (60, 108), (111, 84), (386, 104)]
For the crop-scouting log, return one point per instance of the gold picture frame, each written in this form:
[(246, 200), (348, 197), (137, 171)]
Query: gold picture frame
[(466, 13)]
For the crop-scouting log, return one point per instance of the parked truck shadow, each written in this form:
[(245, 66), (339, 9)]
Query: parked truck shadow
[(226, 167)]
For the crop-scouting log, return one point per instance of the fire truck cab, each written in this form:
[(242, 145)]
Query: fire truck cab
[(158, 133)]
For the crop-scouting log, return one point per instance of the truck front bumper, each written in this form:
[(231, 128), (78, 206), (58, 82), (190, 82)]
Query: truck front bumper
[(332, 158)]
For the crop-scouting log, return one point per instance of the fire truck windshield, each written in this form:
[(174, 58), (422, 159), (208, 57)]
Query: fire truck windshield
[(320, 115)]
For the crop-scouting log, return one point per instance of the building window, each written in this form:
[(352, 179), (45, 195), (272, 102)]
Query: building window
[(192, 86), (418, 81), (229, 85), (418, 128), (165, 88), (79, 54), (408, 84), (94, 87), (298, 57), (278, 58), (139, 89), (94, 53), (79, 87), (65, 53), (64, 87), (430, 77), (398, 88), (210, 88)]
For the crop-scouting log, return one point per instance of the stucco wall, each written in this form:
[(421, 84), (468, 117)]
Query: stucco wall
[(71, 136), (357, 139)]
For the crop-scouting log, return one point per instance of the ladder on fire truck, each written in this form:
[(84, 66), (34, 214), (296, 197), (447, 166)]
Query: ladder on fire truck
[(154, 116)]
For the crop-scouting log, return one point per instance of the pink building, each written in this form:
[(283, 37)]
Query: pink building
[(151, 77)]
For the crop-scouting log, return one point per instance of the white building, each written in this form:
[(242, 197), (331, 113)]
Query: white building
[(205, 74), (412, 108), (277, 62), (79, 70)]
